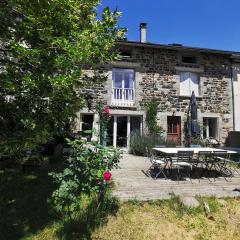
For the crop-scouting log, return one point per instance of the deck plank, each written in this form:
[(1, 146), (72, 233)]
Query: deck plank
[(131, 183)]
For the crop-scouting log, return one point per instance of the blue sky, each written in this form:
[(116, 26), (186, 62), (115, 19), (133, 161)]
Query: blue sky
[(198, 23)]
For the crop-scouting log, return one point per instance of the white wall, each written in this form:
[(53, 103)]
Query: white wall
[(236, 92)]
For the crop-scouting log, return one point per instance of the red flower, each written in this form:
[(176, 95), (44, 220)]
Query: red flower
[(107, 175), (106, 110)]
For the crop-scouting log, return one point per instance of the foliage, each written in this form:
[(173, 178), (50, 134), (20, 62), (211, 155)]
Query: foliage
[(83, 175), (44, 47), (151, 118), (139, 143), (27, 214), (104, 117)]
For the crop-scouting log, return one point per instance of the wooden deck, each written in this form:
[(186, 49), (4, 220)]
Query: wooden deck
[(132, 183)]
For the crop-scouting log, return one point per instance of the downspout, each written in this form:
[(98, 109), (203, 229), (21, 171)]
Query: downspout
[(233, 97)]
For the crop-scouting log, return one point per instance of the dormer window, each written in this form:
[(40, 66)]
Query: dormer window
[(125, 54), (189, 59)]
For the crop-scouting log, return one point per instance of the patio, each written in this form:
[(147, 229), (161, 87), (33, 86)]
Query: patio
[(132, 183)]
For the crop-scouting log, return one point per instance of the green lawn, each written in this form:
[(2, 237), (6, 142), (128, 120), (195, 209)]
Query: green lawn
[(26, 214), (24, 209), (163, 220)]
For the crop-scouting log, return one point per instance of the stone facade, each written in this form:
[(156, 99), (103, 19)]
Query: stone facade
[(236, 94), (157, 76)]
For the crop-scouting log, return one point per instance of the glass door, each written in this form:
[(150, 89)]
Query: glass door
[(122, 131)]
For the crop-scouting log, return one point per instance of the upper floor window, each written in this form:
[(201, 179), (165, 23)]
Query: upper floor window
[(123, 84), (123, 78), (188, 59), (125, 54), (189, 82)]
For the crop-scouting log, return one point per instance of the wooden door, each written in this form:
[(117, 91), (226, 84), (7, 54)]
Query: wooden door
[(174, 129)]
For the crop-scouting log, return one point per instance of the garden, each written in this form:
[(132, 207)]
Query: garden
[(46, 47)]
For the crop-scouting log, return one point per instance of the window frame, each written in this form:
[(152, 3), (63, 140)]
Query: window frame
[(114, 70), (123, 93), (206, 124)]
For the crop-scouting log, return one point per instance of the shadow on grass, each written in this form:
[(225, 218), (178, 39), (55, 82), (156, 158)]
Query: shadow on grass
[(24, 209), (91, 218)]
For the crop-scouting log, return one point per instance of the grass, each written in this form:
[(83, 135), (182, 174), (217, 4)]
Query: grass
[(26, 214), (170, 220), (24, 209)]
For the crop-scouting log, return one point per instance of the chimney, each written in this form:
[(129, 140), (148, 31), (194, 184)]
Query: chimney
[(143, 32)]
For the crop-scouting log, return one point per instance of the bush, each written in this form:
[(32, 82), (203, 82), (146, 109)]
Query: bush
[(139, 143), (83, 175)]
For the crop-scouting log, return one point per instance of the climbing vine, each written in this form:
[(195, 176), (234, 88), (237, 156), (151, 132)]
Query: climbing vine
[(151, 118)]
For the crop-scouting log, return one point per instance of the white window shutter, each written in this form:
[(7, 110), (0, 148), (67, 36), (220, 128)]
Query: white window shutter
[(184, 83), (194, 83)]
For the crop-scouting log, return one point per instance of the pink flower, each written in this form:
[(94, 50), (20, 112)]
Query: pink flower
[(106, 110), (107, 175)]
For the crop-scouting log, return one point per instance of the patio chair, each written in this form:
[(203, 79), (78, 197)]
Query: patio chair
[(221, 158), (158, 163), (235, 166), (202, 162), (183, 161)]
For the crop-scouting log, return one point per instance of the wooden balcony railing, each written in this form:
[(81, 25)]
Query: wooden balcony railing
[(123, 96)]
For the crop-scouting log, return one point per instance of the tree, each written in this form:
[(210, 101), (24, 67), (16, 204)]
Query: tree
[(44, 47)]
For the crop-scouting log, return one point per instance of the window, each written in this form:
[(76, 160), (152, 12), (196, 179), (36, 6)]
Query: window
[(123, 84), (189, 82), (210, 129), (125, 54), (188, 59), (87, 123), (173, 124), (174, 128)]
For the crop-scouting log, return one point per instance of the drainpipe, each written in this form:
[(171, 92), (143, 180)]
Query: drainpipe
[(233, 98)]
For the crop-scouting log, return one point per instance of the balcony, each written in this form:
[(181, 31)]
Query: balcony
[(123, 97)]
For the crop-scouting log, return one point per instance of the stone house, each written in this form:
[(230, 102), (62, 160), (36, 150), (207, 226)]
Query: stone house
[(167, 74)]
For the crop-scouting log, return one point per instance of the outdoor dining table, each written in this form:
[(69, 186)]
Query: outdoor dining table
[(170, 152)]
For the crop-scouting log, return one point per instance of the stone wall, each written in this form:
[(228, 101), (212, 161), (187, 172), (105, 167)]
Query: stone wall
[(236, 91), (157, 77)]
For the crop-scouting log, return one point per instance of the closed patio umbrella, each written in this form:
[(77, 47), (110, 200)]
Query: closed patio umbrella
[(193, 129)]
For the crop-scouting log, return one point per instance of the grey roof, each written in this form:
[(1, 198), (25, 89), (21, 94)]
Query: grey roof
[(179, 47)]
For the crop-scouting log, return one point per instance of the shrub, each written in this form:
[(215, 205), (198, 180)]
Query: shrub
[(139, 143), (83, 175)]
